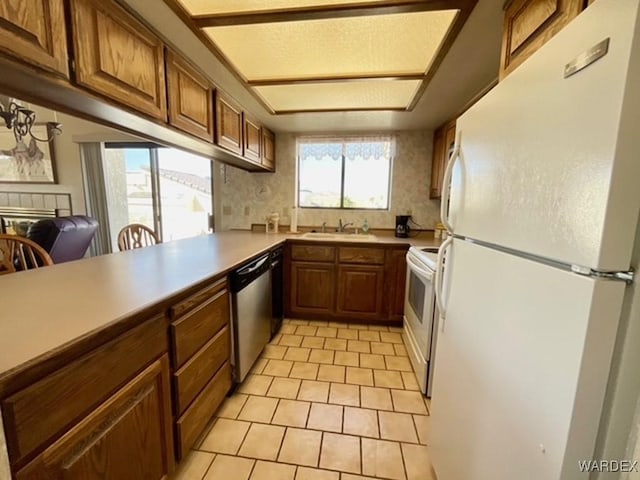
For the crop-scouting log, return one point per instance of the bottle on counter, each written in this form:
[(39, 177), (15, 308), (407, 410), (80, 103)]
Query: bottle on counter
[(365, 227), (294, 220)]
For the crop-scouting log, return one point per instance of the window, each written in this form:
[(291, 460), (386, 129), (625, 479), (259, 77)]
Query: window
[(350, 173), (165, 189)]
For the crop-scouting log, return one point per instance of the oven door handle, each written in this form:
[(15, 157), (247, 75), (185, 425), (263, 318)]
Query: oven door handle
[(439, 273), (428, 275)]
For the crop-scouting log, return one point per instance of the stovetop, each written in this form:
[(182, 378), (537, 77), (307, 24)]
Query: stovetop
[(428, 256)]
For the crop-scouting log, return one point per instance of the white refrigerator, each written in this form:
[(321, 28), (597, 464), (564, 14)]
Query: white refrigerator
[(542, 209)]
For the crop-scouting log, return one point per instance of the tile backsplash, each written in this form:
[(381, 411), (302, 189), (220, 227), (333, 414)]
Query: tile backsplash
[(60, 201), (247, 198)]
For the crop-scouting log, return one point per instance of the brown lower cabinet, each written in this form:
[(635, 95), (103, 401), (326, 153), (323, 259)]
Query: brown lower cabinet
[(312, 288), (345, 282), (106, 413), (201, 346), (128, 436), (360, 291), (129, 407)]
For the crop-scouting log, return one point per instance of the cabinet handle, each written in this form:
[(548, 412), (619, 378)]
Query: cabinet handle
[(446, 185), (439, 273)]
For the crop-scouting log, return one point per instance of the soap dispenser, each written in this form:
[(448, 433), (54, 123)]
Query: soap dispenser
[(365, 227)]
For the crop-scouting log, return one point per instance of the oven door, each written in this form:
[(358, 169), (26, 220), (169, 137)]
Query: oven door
[(419, 304)]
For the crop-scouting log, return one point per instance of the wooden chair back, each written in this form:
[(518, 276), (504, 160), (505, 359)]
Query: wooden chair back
[(136, 235), (19, 253)]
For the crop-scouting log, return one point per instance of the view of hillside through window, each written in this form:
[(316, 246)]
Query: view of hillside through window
[(344, 173), (165, 189)]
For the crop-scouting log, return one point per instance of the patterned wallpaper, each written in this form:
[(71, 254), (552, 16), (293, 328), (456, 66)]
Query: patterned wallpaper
[(249, 197)]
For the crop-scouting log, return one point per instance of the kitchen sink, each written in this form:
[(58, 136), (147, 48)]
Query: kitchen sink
[(339, 237)]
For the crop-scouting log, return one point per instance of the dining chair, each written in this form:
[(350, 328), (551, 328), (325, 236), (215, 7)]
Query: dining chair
[(136, 235), (19, 253)]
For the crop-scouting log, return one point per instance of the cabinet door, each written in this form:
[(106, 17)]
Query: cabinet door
[(190, 98), (34, 31), (128, 436), (118, 57), (252, 139), (360, 291), (437, 165), (228, 124), (313, 288), (395, 277), (529, 24), (268, 149)]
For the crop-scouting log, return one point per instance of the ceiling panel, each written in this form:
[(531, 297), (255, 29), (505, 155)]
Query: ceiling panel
[(357, 46), (353, 95), (203, 7)]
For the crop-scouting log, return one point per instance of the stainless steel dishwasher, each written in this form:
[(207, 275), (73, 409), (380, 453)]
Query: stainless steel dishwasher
[(251, 313)]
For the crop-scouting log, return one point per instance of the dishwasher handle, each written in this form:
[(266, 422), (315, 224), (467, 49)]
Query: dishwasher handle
[(253, 267), (248, 273)]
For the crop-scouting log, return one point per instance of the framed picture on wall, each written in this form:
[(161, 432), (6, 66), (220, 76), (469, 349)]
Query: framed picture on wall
[(27, 161)]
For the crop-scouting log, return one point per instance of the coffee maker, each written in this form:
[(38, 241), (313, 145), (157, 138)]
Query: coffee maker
[(402, 226)]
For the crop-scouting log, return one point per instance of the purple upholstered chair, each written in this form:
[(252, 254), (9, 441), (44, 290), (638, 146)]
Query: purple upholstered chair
[(64, 238)]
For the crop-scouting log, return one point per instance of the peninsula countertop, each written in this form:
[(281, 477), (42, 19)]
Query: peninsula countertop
[(50, 308)]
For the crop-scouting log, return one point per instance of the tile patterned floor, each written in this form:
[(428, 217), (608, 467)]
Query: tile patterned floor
[(326, 401)]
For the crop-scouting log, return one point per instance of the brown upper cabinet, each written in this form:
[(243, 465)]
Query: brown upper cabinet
[(529, 24), (190, 98), (268, 149), (443, 141), (228, 124), (252, 139), (118, 57), (119, 62), (34, 31)]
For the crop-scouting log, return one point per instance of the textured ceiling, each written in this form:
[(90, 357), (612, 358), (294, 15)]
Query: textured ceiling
[(470, 65), (285, 42)]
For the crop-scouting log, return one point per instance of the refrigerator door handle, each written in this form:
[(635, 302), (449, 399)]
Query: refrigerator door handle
[(446, 185), (438, 281)]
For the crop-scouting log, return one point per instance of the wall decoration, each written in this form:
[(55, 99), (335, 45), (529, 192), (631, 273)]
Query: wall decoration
[(27, 161)]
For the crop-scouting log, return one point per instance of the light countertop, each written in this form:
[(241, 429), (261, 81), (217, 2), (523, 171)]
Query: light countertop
[(52, 307)]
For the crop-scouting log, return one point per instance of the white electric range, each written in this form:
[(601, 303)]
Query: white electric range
[(420, 318)]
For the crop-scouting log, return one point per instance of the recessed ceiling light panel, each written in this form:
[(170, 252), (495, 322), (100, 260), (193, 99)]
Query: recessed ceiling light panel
[(214, 7), (398, 44), (354, 95)]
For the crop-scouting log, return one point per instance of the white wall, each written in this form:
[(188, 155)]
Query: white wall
[(244, 198), (67, 161)]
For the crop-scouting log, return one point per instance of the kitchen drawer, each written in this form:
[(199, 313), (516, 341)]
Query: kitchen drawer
[(197, 298), (196, 417), (37, 414), (370, 256), (126, 437), (313, 253), (195, 374), (191, 331)]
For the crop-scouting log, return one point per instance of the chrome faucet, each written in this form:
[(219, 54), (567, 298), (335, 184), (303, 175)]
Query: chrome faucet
[(342, 226), (324, 226)]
